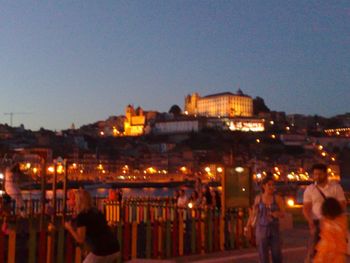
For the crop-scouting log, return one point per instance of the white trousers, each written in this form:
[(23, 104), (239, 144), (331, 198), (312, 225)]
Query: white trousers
[(92, 258)]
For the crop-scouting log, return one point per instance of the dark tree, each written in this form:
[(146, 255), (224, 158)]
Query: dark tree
[(175, 109), (259, 106)]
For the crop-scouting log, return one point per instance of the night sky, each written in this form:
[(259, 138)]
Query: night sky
[(65, 62)]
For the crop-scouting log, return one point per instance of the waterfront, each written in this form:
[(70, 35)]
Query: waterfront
[(102, 192)]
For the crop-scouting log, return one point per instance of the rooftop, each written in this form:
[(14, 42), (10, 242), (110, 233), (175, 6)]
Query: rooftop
[(238, 93)]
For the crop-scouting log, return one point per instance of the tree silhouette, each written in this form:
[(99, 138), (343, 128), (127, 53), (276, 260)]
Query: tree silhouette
[(176, 110), (259, 106)]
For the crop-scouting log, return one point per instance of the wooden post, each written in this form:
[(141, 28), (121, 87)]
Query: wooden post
[(65, 186), (2, 247), (193, 235), (108, 214), (60, 245), (210, 229), (161, 239), (12, 247), (202, 230), (181, 233), (148, 239), (42, 246), (43, 193), (54, 182), (223, 212), (134, 240), (168, 239), (120, 239), (49, 247), (32, 244), (78, 255)]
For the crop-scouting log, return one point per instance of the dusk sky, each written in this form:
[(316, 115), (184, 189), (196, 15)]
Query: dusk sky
[(65, 62)]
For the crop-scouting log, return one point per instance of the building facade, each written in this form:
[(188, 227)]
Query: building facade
[(224, 104), (135, 121), (177, 126)]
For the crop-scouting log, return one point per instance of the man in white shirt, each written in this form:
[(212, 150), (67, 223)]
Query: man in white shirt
[(314, 196)]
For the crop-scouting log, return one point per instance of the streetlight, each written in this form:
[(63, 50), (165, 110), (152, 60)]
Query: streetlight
[(219, 169)]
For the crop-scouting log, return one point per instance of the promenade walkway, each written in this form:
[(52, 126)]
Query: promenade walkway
[(294, 251)]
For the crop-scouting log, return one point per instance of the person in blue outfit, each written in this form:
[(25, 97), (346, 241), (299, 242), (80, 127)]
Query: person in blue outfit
[(267, 209)]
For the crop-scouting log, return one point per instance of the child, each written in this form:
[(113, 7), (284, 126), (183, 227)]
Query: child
[(333, 244)]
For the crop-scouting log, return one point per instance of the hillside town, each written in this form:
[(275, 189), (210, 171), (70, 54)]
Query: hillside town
[(196, 140)]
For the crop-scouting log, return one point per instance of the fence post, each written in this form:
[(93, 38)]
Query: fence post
[(2, 247), (222, 230), (210, 229), (120, 239), (193, 234), (42, 245), (12, 247), (160, 239), (181, 233), (50, 245), (60, 245), (78, 254), (134, 240), (148, 239)]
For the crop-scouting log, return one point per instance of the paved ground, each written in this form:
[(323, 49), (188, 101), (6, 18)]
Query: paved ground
[(294, 251)]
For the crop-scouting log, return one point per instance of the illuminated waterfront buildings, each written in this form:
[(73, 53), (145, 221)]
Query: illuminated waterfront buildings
[(224, 104)]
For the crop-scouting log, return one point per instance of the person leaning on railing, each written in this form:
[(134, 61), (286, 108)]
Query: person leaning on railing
[(93, 232)]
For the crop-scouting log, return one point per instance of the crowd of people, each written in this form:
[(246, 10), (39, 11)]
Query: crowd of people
[(324, 208), (203, 198)]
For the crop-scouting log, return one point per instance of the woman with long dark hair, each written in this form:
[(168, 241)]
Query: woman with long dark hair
[(267, 209)]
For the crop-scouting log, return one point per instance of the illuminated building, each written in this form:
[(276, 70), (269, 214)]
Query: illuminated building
[(178, 126), (187, 124), (224, 104), (341, 132), (246, 124), (135, 121)]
